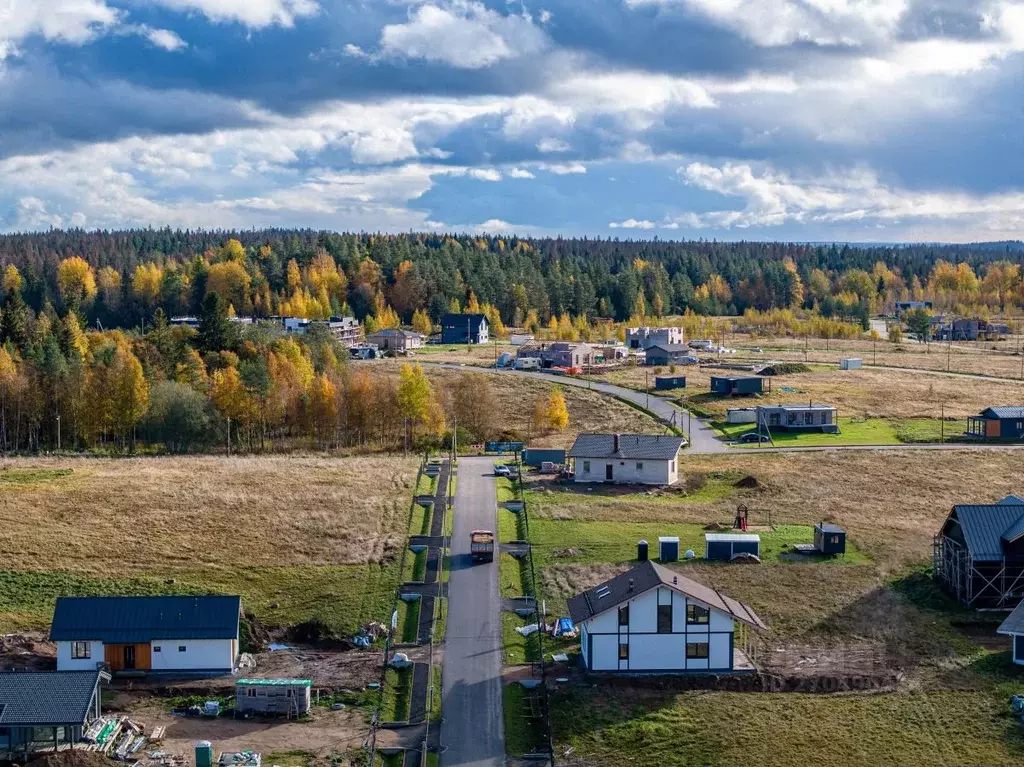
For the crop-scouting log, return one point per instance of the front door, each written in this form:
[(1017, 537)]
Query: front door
[(608, 472), (129, 656)]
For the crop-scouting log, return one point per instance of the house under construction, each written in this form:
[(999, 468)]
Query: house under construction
[(282, 697)]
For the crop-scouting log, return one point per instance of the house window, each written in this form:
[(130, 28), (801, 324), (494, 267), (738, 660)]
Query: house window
[(639, 466), (623, 651), (156, 648), (81, 650), (181, 648), (586, 467), (624, 616), (289, 693), (664, 619), (251, 692), (697, 615), (696, 649)]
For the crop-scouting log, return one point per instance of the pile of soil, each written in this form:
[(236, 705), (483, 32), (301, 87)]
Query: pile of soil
[(749, 482), (256, 636), (715, 527), (783, 368), (72, 759)]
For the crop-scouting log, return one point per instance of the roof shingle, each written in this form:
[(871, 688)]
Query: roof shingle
[(38, 698), (631, 446), (132, 620)]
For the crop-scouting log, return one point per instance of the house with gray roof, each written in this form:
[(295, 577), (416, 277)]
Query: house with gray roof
[(166, 634), (46, 710), (651, 619), (1013, 627), (644, 459), (1004, 423), (978, 555)]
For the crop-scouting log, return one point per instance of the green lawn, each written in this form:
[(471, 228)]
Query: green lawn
[(852, 431), (694, 729), (710, 488), (408, 620), (930, 430), (435, 696), (521, 736), (426, 485), (415, 566), (510, 576), (615, 542), (397, 695), (420, 522)]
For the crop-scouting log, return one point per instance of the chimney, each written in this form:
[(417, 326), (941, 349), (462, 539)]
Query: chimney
[(630, 584), (615, 442), (675, 580)]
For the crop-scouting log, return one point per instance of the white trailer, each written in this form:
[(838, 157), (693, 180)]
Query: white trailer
[(851, 363), (527, 363)]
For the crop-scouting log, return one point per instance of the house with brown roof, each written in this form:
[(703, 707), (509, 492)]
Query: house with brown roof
[(652, 619)]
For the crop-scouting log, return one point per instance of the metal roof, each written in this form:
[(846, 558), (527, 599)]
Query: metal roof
[(731, 537), (1014, 623), (671, 348), (737, 378), (1003, 412), (828, 527), (459, 321), (274, 682), (787, 408), (40, 698), (133, 620), (644, 577), (983, 527), (653, 447)]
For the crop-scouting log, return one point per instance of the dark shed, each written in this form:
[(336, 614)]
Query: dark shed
[(727, 545), (535, 456), (829, 538), (670, 382), (732, 385)]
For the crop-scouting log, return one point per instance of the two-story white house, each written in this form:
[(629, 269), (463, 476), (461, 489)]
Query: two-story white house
[(651, 619), (646, 337), (179, 634), (644, 459)]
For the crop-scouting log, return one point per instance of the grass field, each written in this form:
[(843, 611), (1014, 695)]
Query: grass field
[(880, 602), (320, 538)]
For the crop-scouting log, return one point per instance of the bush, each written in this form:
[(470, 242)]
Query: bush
[(178, 416)]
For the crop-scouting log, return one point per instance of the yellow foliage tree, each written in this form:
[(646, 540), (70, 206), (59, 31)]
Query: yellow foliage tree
[(230, 280), (146, 283), (421, 322), (76, 281), (11, 280), (109, 281), (557, 412), (233, 250)]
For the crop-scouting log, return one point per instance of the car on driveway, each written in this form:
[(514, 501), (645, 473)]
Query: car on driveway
[(502, 470), (753, 436)]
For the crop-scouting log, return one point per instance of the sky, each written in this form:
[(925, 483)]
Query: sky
[(810, 120)]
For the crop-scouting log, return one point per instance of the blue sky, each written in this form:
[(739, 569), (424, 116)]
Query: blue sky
[(853, 120)]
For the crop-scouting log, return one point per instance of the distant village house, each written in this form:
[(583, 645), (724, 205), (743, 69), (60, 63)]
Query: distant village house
[(646, 459)]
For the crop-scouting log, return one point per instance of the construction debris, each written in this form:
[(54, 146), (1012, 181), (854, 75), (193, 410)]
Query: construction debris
[(115, 736), (240, 759)]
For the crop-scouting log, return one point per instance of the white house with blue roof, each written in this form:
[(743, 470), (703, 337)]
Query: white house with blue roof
[(645, 459), (177, 634)]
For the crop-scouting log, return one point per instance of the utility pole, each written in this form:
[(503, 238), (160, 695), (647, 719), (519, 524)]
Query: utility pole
[(58, 432), (942, 422), (949, 350), (874, 351), (647, 386), (229, 435)]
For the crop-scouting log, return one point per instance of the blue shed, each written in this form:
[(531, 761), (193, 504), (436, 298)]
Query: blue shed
[(535, 456), (724, 546), (669, 382), (668, 548), (730, 385)]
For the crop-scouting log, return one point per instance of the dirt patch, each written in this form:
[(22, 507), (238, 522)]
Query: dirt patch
[(749, 482), (984, 634), (72, 759), (30, 650)]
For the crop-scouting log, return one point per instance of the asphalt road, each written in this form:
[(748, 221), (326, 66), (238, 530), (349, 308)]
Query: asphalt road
[(473, 730)]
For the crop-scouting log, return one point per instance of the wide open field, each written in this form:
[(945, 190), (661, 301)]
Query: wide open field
[(319, 537), (874, 615)]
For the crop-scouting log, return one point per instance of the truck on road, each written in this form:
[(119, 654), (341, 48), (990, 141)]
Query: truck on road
[(481, 545)]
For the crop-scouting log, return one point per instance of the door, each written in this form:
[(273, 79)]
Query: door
[(608, 472), (992, 428), (129, 657)]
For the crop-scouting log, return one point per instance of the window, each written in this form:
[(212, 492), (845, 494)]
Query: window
[(81, 650), (623, 652), (697, 615), (181, 648), (639, 466), (250, 692), (586, 467), (696, 649), (664, 619), (156, 648), (624, 616), (290, 693)]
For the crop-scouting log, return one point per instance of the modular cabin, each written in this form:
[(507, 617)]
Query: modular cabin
[(978, 555), (829, 538), (731, 386), (288, 697), (537, 456), (645, 459), (851, 363), (46, 710), (181, 635), (464, 329), (821, 418), (652, 620), (667, 383), (997, 423), (725, 546), (395, 339)]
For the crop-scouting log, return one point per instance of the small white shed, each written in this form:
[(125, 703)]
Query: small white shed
[(851, 363), (741, 415)]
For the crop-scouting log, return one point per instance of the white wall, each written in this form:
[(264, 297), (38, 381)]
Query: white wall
[(652, 473), (66, 663), (199, 654)]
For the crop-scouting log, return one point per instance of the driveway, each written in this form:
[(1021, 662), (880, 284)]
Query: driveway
[(473, 729)]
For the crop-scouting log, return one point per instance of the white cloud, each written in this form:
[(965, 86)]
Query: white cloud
[(68, 21), (462, 34), (494, 225), (545, 16), (485, 174), (256, 14), (355, 51), (563, 168), (632, 223), (549, 144), (856, 195), (164, 38), (32, 214), (520, 173)]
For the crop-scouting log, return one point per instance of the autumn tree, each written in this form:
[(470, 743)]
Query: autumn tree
[(11, 280), (558, 413), (416, 401), (76, 281), (421, 322)]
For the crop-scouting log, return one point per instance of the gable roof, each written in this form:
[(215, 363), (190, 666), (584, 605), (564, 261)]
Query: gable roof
[(986, 526), (1014, 623), (652, 447), (646, 576), (37, 698), (395, 332), (132, 620), (460, 320), (1003, 412), (736, 378)]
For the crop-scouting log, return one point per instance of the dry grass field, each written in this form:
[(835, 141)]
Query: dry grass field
[(301, 532), (878, 612)]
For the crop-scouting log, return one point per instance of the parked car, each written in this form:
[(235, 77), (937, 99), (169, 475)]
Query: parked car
[(502, 470), (753, 436)]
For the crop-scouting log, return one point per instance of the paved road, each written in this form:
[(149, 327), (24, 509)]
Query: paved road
[(473, 728)]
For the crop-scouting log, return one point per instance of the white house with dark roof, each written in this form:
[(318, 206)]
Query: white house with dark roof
[(652, 619), (645, 459), (1013, 627)]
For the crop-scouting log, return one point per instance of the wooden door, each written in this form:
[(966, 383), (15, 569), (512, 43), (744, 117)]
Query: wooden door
[(608, 472), (113, 654), (992, 428), (143, 659)]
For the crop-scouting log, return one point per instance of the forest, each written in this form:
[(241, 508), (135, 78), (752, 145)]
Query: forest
[(90, 361)]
